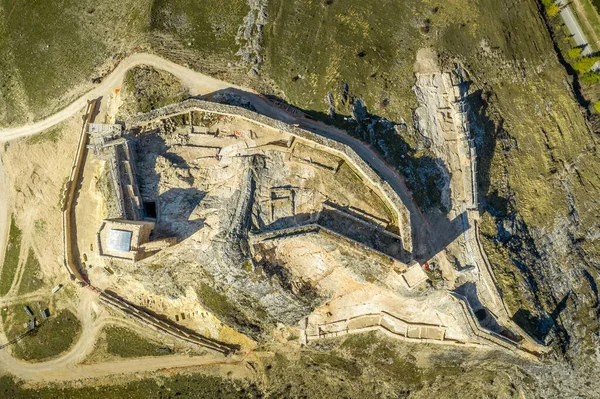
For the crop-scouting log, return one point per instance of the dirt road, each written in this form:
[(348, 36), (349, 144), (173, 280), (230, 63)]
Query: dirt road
[(197, 84), (67, 366), (200, 84)]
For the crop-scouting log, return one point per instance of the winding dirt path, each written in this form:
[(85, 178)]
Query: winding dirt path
[(200, 84), (197, 83), (67, 366)]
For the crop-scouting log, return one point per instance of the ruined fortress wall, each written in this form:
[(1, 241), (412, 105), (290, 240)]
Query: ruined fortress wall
[(341, 149), (387, 262), (69, 236)]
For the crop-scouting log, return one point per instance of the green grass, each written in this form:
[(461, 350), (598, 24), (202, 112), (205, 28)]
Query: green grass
[(126, 343), (208, 27), (220, 305), (328, 360), (155, 266), (43, 71), (591, 14), (383, 354), (13, 103), (363, 366), (53, 337), (40, 225), (347, 179), (371, 365), (11, 258), (246, 314), (13, 318), (311, 48), (182, 386), (50, 136), (247, 265), (145, 89), (51, 48), (32, 279)]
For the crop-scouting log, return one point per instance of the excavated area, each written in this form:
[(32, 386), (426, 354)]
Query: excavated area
[(271, 229)]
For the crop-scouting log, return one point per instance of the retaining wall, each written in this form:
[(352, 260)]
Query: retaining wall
[(69, 239), (167, 328)]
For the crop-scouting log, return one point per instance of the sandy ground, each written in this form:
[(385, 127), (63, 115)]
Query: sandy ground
[(88, 210), (36, 173), (4, 208)]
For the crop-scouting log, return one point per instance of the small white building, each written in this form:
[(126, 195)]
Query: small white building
[(129, 239)]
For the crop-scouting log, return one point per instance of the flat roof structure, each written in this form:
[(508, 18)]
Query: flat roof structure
[(123, 239), (129, 239), (119, 240)]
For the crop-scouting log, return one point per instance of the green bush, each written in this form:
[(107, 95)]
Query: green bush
[(54, 336), (126, 343), (597, 106), (31, 280), (575, 53), (11, 257), (591, 77), (583, 65), (552, 10)]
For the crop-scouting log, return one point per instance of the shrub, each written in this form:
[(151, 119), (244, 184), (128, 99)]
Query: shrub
[(591, 77), (597, 106), (583, 65), (575, 52), (553, 10)]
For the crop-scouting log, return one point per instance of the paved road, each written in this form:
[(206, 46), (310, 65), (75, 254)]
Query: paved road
[(567, 15)]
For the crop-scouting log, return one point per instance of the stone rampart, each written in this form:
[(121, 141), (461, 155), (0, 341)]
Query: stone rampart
[(341, 149)]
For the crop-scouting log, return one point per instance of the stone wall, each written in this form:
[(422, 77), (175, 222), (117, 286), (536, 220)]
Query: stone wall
[(343, 150)]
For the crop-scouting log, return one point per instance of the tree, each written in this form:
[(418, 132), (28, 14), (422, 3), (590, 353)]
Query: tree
[(574, 52), (591, 78), (584, 64), (553, 10)]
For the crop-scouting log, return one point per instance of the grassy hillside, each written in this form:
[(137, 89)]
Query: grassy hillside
[(206, 26), (52, 50), (313, 47), (362, 366), (11, 257), (54, 336), (201, 34), (537, 157), (32, 279)]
